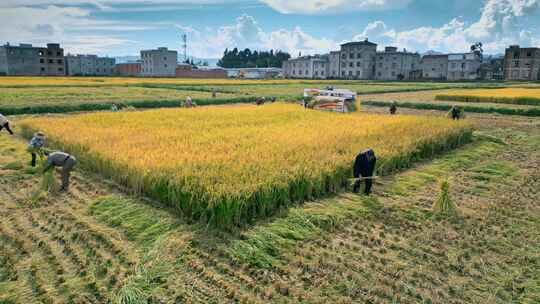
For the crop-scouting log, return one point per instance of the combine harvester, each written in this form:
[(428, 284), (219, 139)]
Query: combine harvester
[(335, 100)]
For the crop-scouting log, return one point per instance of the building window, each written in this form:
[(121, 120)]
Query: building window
[(516, 55), (60, 61), (463, 65), (358, 64), (351, 64), (58, 53), (42, 60), (51, 61), (351, 56), (357, 73), (344, 56), (43, 69), (359, 55), (394, 65), (307, 72), (350, 73), (529, 54), (393, 74), (343, 73), (316, 73), (165, 65), (60, 69)]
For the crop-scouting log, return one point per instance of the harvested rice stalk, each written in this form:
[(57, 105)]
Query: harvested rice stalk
[(444, 205)]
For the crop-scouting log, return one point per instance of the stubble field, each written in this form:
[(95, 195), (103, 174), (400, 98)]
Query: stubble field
[(104, 243)]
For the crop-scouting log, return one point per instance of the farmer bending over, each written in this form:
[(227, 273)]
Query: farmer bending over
[(364, 166), (64, 160), (4, 123), (35, 147)]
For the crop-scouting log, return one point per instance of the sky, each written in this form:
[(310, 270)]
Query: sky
[(124, 27)]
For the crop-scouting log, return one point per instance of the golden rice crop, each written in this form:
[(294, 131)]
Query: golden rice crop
[(524, 96), (229, 165)]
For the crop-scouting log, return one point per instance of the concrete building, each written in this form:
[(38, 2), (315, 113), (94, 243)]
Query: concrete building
[(27, 60), (463, 66), (492, 69), (89, 65), (159, 63), (312, 67), (358, 60), (522, 63), (395, 65), (334, 64), (434, 67)]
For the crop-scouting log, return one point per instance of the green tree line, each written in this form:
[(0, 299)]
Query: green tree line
[(252, 59)]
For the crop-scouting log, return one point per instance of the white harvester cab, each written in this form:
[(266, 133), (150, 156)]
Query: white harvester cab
[(336, 100)]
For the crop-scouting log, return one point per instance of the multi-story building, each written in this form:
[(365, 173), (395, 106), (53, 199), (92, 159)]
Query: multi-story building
[(334, 64), (313, 67), (159, 63), (492, 69), (358, 60), (89, 65), (395, 65), (434, 67), (522, 63), (463, 66), (27, 60)]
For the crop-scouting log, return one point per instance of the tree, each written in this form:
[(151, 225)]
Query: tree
[(478, 50), (250, 59)]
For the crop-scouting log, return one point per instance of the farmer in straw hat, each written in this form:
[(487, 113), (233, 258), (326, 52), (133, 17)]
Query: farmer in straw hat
[(35, 147), (364, 166), (4, 124), (64, 160)]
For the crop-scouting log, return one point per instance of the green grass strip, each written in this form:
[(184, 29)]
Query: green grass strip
[(446, 107), (149, 104), (480, 99)]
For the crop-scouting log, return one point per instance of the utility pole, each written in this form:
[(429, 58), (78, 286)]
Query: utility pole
[(184, 46)]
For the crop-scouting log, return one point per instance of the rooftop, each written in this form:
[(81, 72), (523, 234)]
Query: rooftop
[(365, 42)]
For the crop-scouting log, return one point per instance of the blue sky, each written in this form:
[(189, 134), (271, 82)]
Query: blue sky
[(123, 27)]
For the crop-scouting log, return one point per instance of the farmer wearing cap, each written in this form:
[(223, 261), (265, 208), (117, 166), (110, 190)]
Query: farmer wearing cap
[(35, 147), (64, 160), (364, 165), (4, 124)]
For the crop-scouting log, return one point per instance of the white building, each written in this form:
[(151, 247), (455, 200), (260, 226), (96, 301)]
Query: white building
[(89, 65), (159, 63), (312, 67)]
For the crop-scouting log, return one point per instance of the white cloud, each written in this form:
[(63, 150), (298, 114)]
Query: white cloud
[(246, 33), (309, 7), (499, 25), (73, 27)]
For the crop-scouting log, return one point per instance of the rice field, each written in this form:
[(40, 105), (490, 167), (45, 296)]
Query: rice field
[(231, 165), (49, 96), (521, 96)]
